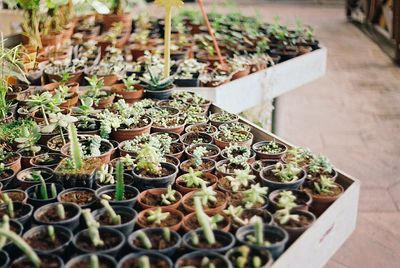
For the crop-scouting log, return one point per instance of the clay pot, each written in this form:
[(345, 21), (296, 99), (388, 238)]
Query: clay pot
[(105, 157), (128, 96), (51, 39), (241, 73), (110, 79), (110, 19), (127, 134), (176, 129), (186, 227), (183, 189), (176, 214), (158, 191), (207, 145), (262, 155), (104, 102), (70, 102), (16, 164), (220, 195), (222, 144), (321, 203)]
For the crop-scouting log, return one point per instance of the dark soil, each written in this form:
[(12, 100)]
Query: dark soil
[(105, 219), (157, 242), (78, 197), (28, 153), (209, 153), (46, 175), (226, 184), (51, 216), (205, 165), (221, 199), (140, 124), (46, 262), (196, 262), (56, 144), (110, 241), (127, 195), (16, 196), (302, 222), (11, 158), (6, 174), (156, 200), (154, 263), (301, 199), (168, 222), (237, 200), (19, 211), (250, 213), (164, 172), (203, 128), (193, 223), (176, 148), (86, 264), (203, 244), (41, 240), (47, 160), (335, 192), (198, 137)]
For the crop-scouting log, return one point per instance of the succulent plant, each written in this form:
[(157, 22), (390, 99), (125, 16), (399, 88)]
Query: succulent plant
[(156, 82), (157, 216), (193, 179), (286, 173), (324, 185)]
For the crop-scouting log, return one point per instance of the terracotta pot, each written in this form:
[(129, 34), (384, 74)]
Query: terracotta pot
[(241, 73), (104, 102), (125, 18), (141, 220), (70, 102), (214, 147), (177, 129), (128, 134), (110, 79), (299, 194), (128, 96), (183, 189), (320, 203), (157, 191), (137, 51), (189, 217), (219, 209), (183, 169), (74, 77), (222, 144), (51, 87), (51, 39), (16, 165), (105, 157)]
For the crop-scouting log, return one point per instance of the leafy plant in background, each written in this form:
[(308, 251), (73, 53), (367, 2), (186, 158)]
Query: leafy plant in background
[(28, 139), (156, 82)]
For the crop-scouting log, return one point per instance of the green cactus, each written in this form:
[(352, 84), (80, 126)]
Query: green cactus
[(76, 152), (144, 262), (119, 185), (115, 219), (144, 239), (10, 205), (93, 228), (51, 232), (166, 234), (204, 221), (60, 212), (5, 225), (94, 261)]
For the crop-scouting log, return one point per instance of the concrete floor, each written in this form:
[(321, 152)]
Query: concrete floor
[(352, 115)]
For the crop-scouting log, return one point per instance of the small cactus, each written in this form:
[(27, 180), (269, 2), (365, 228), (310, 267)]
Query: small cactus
[(144, 262), (76, 152), (94, 261), (93, 228), (116, 219), (204, 221), (119, 185), (60, 212), (51, 232), (144, 239), (10, 205)]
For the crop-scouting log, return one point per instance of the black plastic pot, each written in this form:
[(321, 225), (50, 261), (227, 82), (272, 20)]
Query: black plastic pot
[(109, 189), (27, 212), (104, 261), (152, 256), (199, 255), (276, 232), (71, 223), (265, 255), (194, 82), (264, 214), (128, 179), (4, 259), (170, 251), (112, 251), (295, 232), (47, 174), (274, 185), (262, 155), (126, 212), (60, 231), (9, 247), (24, 262), (36, 202), (159, 94), (206, 138), (306, 197), (144, 183), (227, 239), (6, 181), (258, 165), (76, 180), (91, 204)]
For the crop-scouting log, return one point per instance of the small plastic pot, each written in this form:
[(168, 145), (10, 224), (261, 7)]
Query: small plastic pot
[(270, 231), (131, 260), (50, 259), (266, 257), (36, 202), (16, 195), (191, 148), (159, 94), (142, 222), (26, 211), (264, 214), (4, 259), (57, 158), (256, 166), (10, 175), (110, 191), (275, 185), (206, 138), (45, 215), (158, 192), (10, 247), (218, 209), (183, 189), (47, 174), (226, 239), (105, 261), (126, 213), (169, 251), (62, 233), (112, 250), (262, 155), (305, 197), (144, 183), (89, 202), (197, 256)]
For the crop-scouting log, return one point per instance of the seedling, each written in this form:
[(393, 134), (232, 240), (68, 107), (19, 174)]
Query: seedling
[(157, 216), (169, 197), (206, 195), (75, 149), (115, 219), (258, 237), (60, 212), (243, 259), (149, 160), (204, 221), (241, 178), (198, 154), (193, 179), (206, 263), (105, 174), (93, 228), (324, 185), (144, 239), (235, 213), (254, 195), (130, 83), (28, 139), (120, 184), (286, 200), (299, 155), (51, 233), (41, 190), (286, 173), (94, 261), (283, 216), (320, 165), (10, 205)]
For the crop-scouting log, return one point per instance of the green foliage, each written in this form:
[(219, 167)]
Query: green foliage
[(130, 83), (144, 239), (157, 216), (75, 148), (287, 173), (320, 165), (197, 158), (255, 195), (5, 225), (51, 232), (144, 262), (104, 174), (206, 195), (119, 185), (28, 139), (156, 82), (286, 199), (93, 228), (115, 219), (94, 261), (10, 205), (271, 148), (149, 160), (241, 178), (299, 155), (284, 216), (324, 185), (169, 197), (204, 221), (12, 130), (60, 211), (193, 178)]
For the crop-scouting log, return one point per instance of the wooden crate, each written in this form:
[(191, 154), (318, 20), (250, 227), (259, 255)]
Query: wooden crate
[(318, 244)]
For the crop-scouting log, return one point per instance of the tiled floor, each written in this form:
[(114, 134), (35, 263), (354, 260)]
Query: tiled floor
[(353, 116)]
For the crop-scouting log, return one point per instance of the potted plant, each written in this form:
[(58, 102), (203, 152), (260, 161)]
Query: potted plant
[(196, 137), (206, 238), (203, 259), (324, 192), (76, 171), (49, 239), (202, 127), (269, 149), (119, 194), (82, 196), (105, 175), (254, 197), (32, 176), (258, 165), (98, 239), (91, 261), (159, 240), (59, 214), (238, 151), (27, 144), (217, 221), (241, 216), (160, 197), (320, 166), (212, 201), (11, 160), (228, 166), (241, 181), (244, 256), (197, 162), (117, 14), (15, 210), (130, 90), (119, 217), (6, 174), (220, 118), (279, 199), (212, 151), (160, 217), (87, 122), (226, 137), (174, 124), (145, 260), (282, 176), (239, 65), (150, 171), (43, 193), (193, 180), (157, 87), (261, 236), (101, 97)]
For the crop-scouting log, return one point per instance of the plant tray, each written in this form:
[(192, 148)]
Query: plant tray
[(318, 244), (257, 88)]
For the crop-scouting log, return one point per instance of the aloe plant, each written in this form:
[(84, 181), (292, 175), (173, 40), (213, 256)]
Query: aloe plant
[(93, 228), (119, 185), (156, 82), (115, 219), (41, 190)]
